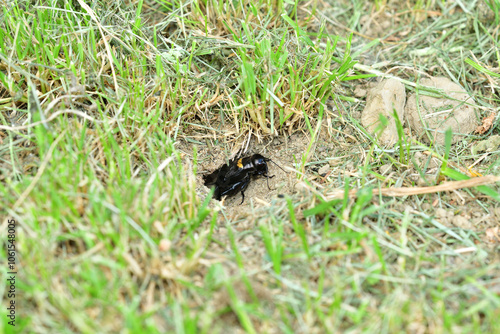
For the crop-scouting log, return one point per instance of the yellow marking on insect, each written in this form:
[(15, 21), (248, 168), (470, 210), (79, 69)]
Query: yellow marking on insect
[(240, 163)]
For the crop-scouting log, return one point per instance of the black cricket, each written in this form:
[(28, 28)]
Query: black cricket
[(234, 177)]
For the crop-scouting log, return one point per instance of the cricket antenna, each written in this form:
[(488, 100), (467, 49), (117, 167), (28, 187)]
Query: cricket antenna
[(267, 159)]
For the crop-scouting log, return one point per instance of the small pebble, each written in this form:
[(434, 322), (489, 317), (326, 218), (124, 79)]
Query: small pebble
[(165, 245), (323, 170), (461, 222), (441, 213)]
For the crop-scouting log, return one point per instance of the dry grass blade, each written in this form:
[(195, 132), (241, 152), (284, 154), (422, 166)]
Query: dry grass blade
[(52, 117), (40, 170), (106, 44)]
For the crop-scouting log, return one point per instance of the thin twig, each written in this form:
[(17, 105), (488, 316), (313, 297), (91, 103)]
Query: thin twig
[(400, 192), (53, 116)]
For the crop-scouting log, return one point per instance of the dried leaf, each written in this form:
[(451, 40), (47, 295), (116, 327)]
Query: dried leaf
[(487, 123)]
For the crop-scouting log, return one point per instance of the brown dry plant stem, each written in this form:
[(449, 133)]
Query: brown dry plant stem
[(400, 192)]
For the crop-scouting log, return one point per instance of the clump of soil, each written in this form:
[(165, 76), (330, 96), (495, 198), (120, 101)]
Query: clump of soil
[(429, 119), (434, 115), (384, 98), (490, 144)]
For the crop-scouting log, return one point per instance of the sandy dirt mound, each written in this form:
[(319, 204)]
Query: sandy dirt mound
[(383, 99), (434, 115)]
